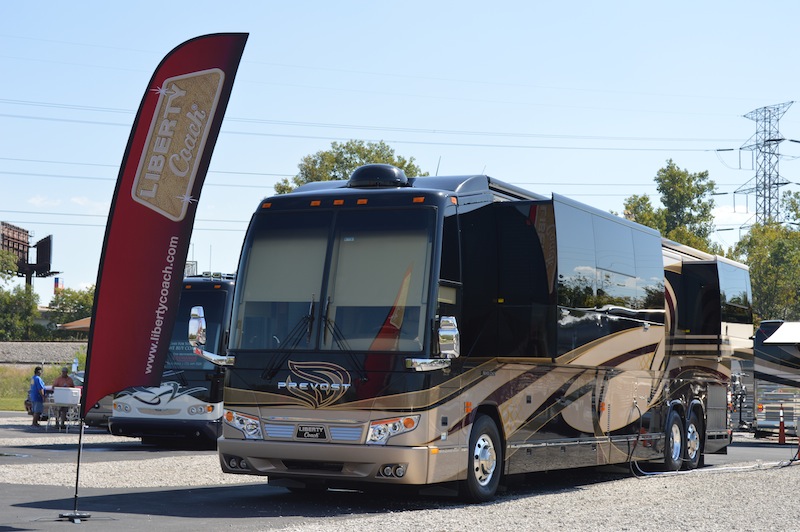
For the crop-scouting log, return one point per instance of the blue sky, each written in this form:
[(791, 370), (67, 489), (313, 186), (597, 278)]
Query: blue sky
[(586, 99)]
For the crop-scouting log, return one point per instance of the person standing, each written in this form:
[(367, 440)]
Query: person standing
[(63, 381), (36, 395)]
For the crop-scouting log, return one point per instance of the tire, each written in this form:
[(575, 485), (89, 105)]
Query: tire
[(484, 462), (674, 442), (694, 442)]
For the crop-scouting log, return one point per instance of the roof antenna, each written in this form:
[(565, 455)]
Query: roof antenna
[(437, 165)]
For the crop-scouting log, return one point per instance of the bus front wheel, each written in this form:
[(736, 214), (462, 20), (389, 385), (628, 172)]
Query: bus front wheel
[(485, 460)]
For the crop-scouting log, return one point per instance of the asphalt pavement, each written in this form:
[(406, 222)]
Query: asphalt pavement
[(249, 506)]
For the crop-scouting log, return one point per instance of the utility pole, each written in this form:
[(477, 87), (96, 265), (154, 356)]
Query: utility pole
[(767, 181)]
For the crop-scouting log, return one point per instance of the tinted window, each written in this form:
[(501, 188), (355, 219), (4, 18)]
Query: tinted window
[(699, 299), (649, 275), (280, 279), (349, 280), (181, 354), (451, 267), (614, 246), (577, 269), (378, 280), (735, 294)]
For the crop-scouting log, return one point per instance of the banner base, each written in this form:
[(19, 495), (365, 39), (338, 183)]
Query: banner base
[(75, 517)]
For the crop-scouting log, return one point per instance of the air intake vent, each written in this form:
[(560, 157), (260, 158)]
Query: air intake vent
[(308, 465), (377, 175)]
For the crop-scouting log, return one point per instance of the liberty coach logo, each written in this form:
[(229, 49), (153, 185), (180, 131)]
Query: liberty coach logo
[(174, 146), (318, 384)]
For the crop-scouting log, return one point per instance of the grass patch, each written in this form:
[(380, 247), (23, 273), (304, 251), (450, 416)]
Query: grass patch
[(15, 381), (12, 404)]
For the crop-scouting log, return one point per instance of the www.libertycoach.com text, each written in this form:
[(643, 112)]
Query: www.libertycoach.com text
[(163, 303)]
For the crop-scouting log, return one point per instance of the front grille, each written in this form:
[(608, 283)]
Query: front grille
[(159, 411), (346, 433), (311, 465), (278, 431), (287, 432)]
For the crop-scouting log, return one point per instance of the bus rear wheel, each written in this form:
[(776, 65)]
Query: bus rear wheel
[(484, 461), (694, 442), (674, 447)]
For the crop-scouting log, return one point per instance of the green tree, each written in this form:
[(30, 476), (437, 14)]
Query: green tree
[(773, 254), (790, 206), (686, 215), (640, 210), (70, 305), (8, 266), (18, 310), (340, 161)]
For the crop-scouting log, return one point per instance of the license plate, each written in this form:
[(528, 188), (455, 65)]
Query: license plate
[(311, 432)]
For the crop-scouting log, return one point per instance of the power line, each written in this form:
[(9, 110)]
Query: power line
[(113, 179), (116, 167), (393, 74), (395, 129), (50, 213), (568, 182), (69, 224), (396, 141)]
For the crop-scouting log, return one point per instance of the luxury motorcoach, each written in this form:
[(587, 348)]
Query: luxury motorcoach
[(446, 332)]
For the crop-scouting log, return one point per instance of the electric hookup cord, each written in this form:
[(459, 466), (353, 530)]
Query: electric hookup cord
[(639, 473)]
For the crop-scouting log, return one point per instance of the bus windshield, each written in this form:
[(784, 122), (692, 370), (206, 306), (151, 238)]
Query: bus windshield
[(181, 355), (351, 280)]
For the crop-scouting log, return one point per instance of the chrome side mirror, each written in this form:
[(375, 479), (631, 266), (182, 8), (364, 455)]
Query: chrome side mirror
[(197, 328), (197, 339), (449, 337)]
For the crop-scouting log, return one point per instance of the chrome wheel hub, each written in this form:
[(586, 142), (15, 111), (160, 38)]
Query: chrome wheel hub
[(675, 443), (484, 460)]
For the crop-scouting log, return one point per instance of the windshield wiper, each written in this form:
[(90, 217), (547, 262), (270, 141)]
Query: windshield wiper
[(326, 321), (341, 341), (291, 341), (310, 319)]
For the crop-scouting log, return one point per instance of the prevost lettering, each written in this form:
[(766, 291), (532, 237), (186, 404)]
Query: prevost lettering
[(322, 386)]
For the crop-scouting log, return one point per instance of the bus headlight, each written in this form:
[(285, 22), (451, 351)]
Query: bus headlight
[(249, 425), (121, 407), (382, 429)]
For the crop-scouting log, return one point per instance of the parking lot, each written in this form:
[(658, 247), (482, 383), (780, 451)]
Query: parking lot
[(127, 486)]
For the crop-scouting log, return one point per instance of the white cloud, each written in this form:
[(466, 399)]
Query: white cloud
[(42, 201), (93, 207)]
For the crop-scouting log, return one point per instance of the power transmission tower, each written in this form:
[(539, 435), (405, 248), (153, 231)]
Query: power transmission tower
[(767, 180)]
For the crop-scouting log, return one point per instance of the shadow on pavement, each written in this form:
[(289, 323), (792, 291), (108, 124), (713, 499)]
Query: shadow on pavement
[(247, 501), (234, 502)]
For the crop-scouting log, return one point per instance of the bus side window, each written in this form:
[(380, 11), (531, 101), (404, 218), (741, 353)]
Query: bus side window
[(450, 272)]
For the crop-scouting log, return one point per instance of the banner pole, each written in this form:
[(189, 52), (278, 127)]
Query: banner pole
[(75, 516)]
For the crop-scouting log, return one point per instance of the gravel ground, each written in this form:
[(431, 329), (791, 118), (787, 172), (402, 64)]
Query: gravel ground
[(759, 496), (752, 498), (198, 470)]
